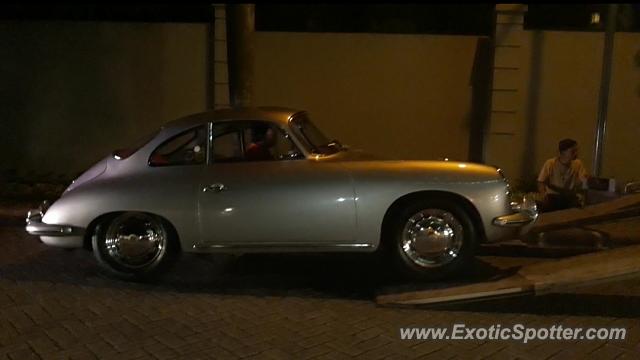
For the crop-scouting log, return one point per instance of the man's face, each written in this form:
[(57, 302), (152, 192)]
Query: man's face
[(571, 153)]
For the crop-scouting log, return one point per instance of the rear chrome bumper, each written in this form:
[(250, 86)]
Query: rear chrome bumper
[(53, 234)]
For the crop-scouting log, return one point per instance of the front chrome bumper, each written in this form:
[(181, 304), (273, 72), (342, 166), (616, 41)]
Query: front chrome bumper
[(525, 213), (35, 226)]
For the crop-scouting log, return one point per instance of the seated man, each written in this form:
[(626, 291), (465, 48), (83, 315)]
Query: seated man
[(561, 178), (263, 140)]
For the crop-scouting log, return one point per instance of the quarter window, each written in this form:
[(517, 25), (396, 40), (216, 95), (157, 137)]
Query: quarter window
[(187, 148)]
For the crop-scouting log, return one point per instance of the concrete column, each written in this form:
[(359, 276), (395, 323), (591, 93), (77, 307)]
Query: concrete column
[(506, 132), (605, 80), (220, 64), (240, 50)]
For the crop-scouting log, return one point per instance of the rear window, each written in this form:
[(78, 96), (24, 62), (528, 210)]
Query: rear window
[(186, 148), (121, 154)]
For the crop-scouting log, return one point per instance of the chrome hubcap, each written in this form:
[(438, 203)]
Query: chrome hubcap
[(135, 240), (432, 238)]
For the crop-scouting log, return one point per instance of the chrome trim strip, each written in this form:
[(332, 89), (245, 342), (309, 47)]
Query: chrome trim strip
[(209, 143), (277, 245)]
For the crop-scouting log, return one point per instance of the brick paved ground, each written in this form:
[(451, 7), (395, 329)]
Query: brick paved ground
[(55, 304)]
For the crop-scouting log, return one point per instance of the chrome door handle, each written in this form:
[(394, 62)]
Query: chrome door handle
[(214, 187)]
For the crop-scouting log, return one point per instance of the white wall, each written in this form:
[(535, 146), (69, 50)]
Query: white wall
[(404, 96), (560, 98)]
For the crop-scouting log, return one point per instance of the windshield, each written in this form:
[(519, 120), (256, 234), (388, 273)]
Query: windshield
[(314, 139)]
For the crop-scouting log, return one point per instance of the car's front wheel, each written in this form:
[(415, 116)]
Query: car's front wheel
[(134, 246), (432, 238)]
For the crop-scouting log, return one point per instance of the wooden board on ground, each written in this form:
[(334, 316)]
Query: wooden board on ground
[(536, 279), (625, 206), (583, 270)]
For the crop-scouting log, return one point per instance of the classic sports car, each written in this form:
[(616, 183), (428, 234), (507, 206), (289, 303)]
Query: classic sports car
[(268, 180)]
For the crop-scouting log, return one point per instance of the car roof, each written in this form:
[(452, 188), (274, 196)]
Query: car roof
[(279, 115)]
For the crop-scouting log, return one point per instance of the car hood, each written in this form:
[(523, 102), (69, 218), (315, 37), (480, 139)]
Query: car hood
[(432, 171)]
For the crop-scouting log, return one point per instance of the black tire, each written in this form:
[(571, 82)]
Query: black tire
[(446, 265), (148, 265)]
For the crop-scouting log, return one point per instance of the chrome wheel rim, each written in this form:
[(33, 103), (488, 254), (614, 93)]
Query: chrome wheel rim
[(135, 240), (432, 238)]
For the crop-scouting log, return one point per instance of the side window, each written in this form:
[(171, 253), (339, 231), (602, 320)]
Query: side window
[(227, 144), (187, 148), (251, 141), (264, 142)]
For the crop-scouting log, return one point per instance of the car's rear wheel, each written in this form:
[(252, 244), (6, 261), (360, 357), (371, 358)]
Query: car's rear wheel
[(432, 238), (134, 245)]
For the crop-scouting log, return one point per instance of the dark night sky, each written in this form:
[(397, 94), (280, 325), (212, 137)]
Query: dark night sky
[(468, 19)]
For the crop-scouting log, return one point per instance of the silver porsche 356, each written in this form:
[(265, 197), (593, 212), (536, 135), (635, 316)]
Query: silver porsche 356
[(268, 180)]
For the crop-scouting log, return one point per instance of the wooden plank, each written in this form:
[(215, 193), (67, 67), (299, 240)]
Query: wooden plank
[(624, 206), (583, 270), (511, 285), (539, 278), (583, 219)]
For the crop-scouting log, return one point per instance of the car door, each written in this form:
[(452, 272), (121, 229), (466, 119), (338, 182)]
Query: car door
[(286, 201)]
